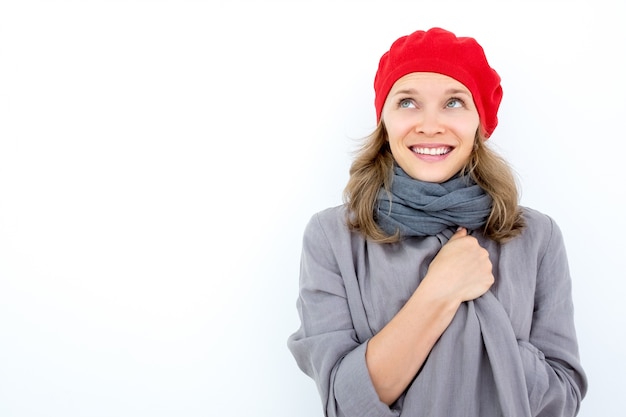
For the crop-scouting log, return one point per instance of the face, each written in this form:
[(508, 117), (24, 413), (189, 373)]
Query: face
[(431, 121)]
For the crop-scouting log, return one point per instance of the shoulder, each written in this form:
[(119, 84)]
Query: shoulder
[(541, 230), (331, 220), (329, 228), (538, 223)]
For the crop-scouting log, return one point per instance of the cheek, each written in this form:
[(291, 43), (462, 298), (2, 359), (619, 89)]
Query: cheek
[(474, 125), (466, 129), (396, 126)]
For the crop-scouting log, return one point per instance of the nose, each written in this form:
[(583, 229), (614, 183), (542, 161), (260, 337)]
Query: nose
[(429, 123)]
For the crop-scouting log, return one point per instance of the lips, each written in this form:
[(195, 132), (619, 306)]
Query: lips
[(436, 151)]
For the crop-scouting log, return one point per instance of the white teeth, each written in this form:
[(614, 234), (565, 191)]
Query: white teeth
[(431, 151)]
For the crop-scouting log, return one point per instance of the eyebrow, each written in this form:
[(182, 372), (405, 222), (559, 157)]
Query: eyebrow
[(450, 91)]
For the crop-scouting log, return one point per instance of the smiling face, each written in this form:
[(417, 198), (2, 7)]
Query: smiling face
[(431, 122)]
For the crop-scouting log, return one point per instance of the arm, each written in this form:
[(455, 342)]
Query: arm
[(362, 379), (555, 378), (326, 346), (460, 272)]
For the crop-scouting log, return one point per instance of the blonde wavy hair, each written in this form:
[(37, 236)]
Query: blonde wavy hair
[(372, 169)]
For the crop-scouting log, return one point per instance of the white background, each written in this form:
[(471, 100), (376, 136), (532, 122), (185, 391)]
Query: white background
[(159, 160)]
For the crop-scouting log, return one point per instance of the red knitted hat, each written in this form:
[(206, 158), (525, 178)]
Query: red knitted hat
[(440, 51)]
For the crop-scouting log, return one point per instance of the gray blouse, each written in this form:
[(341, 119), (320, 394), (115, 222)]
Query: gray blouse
[(511, 352)]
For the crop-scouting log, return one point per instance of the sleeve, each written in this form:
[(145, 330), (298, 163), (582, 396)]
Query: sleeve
[(555, 379), (326, 346)]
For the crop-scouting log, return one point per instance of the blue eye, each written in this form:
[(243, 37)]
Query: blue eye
[(455, 103), (405, 103)]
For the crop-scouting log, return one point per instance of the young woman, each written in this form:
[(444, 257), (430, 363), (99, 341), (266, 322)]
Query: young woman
[(431, 291)]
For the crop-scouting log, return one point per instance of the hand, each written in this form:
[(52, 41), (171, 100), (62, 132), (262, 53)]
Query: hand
[(461, 271)]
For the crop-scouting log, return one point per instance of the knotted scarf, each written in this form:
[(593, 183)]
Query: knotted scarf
[(419, 208), (478, 356)]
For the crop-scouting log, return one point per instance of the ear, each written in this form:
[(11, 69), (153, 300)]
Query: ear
[(381, 131), (481, 134)]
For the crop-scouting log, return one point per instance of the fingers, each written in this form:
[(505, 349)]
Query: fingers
[(460, 232), (462, 269)]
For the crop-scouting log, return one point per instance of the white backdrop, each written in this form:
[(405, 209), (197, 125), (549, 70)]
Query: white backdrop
[(159, 160)]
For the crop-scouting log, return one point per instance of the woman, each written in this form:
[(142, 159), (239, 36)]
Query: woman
[(431, 292)]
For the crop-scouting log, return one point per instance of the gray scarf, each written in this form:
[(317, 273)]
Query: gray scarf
[(418, 208), (479, 343)]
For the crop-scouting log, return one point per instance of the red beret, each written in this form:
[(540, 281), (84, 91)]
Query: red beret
[(438, 50)]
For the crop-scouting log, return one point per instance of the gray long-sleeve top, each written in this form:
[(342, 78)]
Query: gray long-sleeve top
[(511, 352)]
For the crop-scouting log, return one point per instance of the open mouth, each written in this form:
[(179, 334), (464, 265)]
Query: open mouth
[(441, 150)]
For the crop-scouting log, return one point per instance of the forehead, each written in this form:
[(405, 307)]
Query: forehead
[(422, 81)]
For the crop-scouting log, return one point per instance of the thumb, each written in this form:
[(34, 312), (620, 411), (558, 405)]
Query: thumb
[(460, 232)]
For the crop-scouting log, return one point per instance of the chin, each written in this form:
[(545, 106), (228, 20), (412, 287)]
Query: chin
[(434, 178)]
